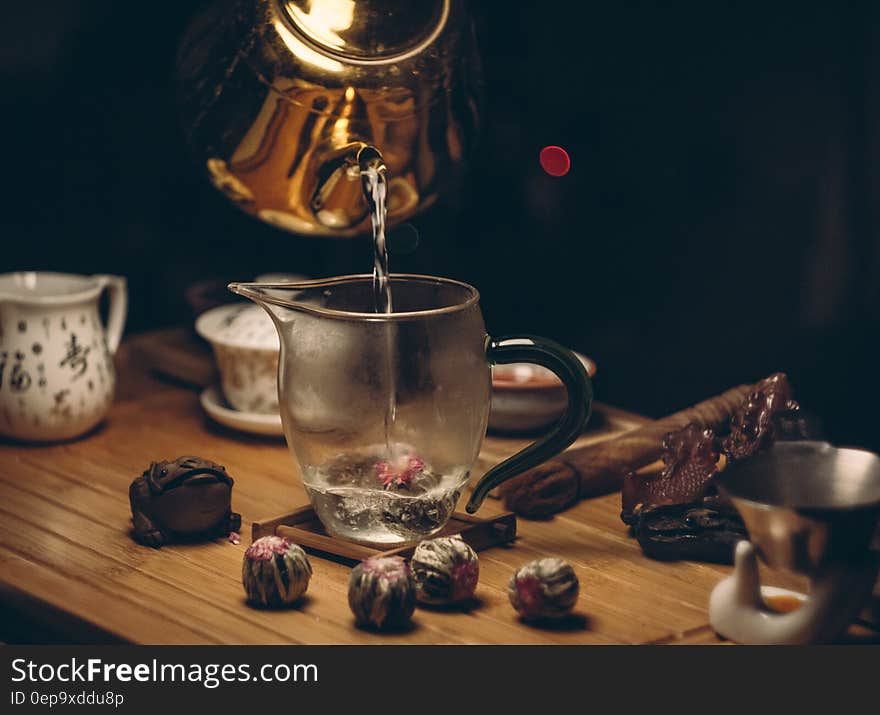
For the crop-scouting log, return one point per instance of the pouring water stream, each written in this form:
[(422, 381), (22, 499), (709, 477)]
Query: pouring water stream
[(374, 181)]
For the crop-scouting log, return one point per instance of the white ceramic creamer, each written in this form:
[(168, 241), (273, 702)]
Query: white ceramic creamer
[(56, 366)]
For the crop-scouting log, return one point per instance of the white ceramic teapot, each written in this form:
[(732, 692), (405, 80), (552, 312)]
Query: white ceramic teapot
[(56, 367)]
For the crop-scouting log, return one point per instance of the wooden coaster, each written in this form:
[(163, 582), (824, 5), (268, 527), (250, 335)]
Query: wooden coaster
[(303, 527)]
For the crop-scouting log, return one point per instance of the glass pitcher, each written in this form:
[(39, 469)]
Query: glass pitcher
[(385, 413)]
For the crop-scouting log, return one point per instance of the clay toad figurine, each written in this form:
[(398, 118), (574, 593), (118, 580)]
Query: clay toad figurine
[(187, 497)]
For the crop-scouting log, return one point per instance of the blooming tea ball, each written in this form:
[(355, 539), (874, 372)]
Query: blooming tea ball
[(275, 572), (445, 570), (381, 592), (544, 588)]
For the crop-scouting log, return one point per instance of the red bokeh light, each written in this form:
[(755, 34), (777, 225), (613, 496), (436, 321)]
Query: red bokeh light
[(555, 160)]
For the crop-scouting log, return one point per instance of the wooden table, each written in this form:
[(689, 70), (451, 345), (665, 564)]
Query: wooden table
[(69, 568)]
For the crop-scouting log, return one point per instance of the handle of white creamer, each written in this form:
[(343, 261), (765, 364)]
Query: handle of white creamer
[(737, 610), (117, 292)]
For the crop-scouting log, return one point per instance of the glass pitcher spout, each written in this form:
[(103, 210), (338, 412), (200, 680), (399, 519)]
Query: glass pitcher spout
[(278, 298), (352, 297)]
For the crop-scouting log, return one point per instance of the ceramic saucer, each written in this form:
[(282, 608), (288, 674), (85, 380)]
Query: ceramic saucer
[(255, 423)]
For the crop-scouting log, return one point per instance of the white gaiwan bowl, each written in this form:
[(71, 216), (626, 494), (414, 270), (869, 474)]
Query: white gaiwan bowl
[(527, 398), (246, 347)]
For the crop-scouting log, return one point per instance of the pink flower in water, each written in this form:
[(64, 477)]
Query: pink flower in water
[(400, 472)]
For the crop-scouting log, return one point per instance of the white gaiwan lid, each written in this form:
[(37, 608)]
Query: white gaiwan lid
[(240, 326)]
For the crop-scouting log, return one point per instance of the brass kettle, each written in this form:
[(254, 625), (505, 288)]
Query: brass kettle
[(278, 97)]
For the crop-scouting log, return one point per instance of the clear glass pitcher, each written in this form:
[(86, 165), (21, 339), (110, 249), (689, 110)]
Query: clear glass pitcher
[(385, 413)]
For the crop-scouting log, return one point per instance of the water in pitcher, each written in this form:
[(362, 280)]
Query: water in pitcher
[(367, 498), (385, 494)]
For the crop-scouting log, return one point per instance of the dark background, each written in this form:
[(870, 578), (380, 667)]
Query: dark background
[(719, 221)]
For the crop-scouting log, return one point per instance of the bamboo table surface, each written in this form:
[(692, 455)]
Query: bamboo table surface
[(67, 560)]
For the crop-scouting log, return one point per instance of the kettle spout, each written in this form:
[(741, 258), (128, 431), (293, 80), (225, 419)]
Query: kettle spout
[(369, 158), (337, 200)]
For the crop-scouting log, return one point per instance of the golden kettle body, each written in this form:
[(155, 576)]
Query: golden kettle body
[(279, 96)]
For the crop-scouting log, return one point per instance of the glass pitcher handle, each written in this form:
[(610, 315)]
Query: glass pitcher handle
[(568, 368)]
